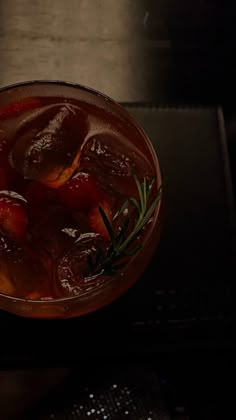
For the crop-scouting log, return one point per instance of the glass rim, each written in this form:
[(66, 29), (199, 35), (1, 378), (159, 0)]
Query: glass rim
[(66, 299)]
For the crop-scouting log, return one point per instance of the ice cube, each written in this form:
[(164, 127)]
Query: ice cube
[(10, 249), (73, 271), (22, 270), (112, 160), (48, 144)]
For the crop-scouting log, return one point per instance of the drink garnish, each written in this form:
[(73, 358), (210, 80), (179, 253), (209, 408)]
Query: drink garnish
[(13, 217), (125, 245), (98, 221), (81, 192)]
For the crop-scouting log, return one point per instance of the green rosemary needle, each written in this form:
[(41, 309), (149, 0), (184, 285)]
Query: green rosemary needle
[(122, 244)]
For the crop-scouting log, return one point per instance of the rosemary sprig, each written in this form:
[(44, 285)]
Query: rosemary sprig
[(122, 246)]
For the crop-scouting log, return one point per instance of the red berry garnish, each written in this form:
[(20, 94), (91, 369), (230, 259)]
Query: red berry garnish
[(13, 217), (16, 108), (96, 220), (81, 192)]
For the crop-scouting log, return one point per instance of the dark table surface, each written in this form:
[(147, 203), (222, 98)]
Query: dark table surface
[(160, 52)]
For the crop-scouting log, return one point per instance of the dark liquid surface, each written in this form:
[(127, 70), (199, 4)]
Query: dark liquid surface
[(41, 150)]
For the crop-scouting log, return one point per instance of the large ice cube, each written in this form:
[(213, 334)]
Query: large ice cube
[(112, 160), (10, 249), (73, 270), (22, 269), (49, 143)]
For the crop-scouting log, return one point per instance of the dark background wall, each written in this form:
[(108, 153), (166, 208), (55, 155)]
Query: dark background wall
[(133, 50)]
